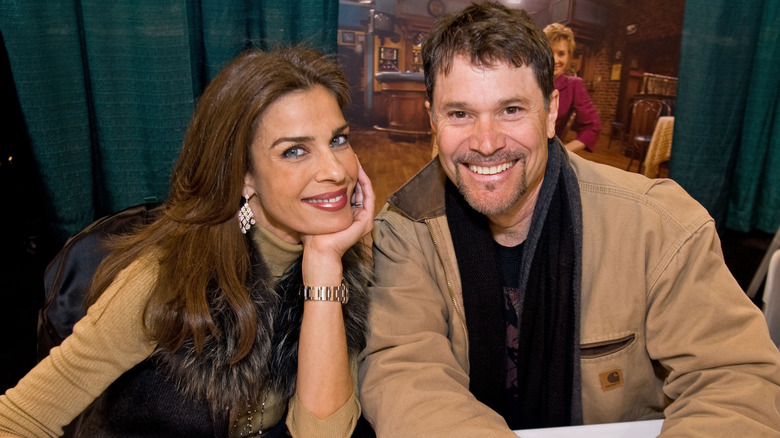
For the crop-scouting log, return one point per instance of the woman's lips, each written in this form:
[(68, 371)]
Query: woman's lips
[(332, 201)]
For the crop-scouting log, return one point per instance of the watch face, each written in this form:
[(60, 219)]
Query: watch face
[(435, 7)]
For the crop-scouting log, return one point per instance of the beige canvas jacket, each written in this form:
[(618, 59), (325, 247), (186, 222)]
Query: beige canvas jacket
[(665, 329)]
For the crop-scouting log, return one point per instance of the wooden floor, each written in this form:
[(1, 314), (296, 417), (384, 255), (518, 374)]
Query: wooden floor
[(390, 160)]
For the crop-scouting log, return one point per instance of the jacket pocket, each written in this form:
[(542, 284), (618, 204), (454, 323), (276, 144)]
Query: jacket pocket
[(595, 350)]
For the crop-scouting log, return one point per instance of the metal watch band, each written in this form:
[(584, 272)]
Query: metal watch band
[(325, 293)]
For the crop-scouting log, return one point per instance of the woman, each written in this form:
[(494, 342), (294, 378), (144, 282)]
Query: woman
[(216, 320), (573, 97)]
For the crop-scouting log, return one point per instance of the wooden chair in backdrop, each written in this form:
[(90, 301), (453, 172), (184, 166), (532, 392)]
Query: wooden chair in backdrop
[(644, 116)]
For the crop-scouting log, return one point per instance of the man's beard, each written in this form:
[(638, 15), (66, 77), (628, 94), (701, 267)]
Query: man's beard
[(483, 205)]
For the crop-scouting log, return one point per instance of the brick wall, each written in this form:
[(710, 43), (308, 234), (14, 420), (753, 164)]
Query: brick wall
[(656, 21)]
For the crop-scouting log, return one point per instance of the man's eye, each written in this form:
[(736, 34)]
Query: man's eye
[(339, 140), (513, 110), (458, 114), (293, 152)]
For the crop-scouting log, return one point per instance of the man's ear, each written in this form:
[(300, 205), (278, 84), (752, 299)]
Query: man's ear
[(552, 114), (431, 117)]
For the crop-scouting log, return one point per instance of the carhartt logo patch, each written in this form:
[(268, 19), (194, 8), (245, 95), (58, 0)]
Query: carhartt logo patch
[(611, 379)]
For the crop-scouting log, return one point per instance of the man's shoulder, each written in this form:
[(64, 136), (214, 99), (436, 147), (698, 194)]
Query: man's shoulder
[(616, 189)]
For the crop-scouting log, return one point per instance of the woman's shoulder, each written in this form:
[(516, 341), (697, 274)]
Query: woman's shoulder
[(563, 81), (132, 286), (574, 81)]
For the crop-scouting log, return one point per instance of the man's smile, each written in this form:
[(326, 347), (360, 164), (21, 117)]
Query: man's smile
[(491, 170)]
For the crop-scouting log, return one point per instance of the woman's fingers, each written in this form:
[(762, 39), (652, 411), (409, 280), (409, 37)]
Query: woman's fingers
[(364, 191)]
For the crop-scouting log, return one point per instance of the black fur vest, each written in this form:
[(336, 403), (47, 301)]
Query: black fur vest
[(174, 392)]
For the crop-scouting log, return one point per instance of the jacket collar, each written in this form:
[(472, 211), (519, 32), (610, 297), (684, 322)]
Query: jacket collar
[(422, 197)]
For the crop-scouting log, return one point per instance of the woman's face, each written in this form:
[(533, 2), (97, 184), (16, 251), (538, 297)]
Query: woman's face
[(561, 52), (303, 170)]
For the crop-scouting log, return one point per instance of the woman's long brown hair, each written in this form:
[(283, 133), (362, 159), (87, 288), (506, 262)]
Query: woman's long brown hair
[(197, 238)]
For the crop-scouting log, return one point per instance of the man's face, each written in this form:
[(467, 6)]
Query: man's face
[(492, 128)]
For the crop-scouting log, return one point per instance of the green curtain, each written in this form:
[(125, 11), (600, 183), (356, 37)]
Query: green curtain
[(726, 150), (107, 87)]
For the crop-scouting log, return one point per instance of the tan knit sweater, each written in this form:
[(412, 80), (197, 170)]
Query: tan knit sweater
[(111, 340)]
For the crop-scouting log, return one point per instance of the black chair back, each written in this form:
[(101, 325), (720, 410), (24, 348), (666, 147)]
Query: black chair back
[(67, 276)]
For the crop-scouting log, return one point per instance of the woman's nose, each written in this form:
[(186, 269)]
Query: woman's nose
[(329, 167)]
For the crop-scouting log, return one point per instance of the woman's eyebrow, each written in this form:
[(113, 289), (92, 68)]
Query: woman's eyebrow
[(341, 129), (292, 140)]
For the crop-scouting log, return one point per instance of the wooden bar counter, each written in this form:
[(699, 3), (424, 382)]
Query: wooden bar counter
[(403, 95)]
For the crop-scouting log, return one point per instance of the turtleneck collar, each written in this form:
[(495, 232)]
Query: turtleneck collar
[(277, 254)]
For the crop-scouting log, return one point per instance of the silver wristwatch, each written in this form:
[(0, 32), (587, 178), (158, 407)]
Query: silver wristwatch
[(325, 293)]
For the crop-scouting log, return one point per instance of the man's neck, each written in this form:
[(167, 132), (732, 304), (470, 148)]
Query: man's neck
[(511, 228)]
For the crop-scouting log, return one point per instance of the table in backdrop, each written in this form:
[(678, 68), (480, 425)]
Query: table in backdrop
[(660, 148)]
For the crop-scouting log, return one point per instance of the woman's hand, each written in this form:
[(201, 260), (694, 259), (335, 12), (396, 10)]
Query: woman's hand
[(322, 252)]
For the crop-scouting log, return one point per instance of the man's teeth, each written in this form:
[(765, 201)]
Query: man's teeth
[(492, 170), (325, 201)]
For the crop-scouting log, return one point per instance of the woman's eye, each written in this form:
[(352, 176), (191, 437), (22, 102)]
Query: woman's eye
[(339, 140), (293, 152)]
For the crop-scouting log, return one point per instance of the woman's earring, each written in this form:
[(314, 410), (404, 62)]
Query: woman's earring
[(246, 217)]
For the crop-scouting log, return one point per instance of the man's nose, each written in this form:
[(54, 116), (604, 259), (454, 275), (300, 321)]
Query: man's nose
[(487, 138)]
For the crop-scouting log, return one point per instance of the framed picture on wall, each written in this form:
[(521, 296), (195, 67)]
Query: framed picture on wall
[(347, 37), (388, 54)]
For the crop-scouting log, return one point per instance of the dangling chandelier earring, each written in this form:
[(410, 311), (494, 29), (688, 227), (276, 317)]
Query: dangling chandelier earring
[(246, 218)]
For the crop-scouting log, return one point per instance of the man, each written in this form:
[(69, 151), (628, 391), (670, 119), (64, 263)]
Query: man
[(520, 286)]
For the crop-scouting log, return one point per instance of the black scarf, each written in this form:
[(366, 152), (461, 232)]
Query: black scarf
[(550, 276)]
